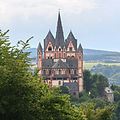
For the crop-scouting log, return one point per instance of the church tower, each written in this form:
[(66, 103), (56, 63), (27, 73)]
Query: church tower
[(80, 67), (39, 58), (63, 61)]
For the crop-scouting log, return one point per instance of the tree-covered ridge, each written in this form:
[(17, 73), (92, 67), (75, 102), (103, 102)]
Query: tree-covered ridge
[(25, 97), (111, 72)]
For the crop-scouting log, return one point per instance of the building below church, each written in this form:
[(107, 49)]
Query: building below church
[(61, 62)]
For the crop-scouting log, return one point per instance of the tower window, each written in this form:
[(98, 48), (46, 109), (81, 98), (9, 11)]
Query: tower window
[(49, 49), (59, 71), (75, 72), (44, 72), (70, 48), (55, 55), (59, 55), (49, 72), (64, 55)]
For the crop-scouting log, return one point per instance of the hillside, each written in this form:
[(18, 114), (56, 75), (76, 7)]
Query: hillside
[(98, 52)]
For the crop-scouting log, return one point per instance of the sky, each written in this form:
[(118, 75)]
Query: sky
[(94, 23)]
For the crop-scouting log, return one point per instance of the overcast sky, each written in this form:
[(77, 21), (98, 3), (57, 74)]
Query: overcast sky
[(94, 23)]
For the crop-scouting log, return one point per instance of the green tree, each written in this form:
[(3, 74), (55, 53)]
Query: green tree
[(87, 80), (101, 84), (97, 114), (64, 90), (25, 97)]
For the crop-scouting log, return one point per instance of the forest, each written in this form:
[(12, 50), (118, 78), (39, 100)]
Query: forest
[(112, 72), (24, 96)]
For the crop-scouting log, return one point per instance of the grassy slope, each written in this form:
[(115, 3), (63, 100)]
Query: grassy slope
[(89, 66)]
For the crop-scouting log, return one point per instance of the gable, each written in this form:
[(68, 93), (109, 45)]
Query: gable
[(49, 45), (70, 45)]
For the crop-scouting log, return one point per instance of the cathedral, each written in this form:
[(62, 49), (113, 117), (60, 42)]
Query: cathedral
[(61, 62)]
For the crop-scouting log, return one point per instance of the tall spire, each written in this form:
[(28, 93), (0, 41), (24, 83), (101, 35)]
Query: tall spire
[(59, 33)]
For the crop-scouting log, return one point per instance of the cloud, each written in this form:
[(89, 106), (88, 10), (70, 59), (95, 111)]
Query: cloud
[(24, 9)]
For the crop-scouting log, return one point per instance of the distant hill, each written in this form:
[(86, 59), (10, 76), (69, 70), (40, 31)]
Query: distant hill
[(98, 52), (90, 55)]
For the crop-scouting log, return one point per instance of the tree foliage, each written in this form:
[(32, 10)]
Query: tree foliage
[(94, 83), (26, 97)]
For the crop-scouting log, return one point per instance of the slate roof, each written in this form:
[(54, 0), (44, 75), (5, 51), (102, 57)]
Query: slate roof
[(73, 86), (47, 63), (69, 64), (59, 40), (39, 47), (72, 38), (49, 37), (60, 65), (80, 48), (72, 62)]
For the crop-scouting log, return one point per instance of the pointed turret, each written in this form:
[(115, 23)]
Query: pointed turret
[(39, 47), (49, 37), (80, 48), (72, 38), (59, 41)]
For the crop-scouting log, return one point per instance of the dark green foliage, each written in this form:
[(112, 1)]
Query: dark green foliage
[(26, 97), (64, 90), (94, 84), (116, 92), (87, 80), (97, 114)]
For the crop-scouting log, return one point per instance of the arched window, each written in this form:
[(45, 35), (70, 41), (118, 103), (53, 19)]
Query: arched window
[(49, 72), (50, 48), (64, 55), (59, 71), (59, 83), (59, 55), (44, 72), (70, 48), (55, 55), (75, 72)]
